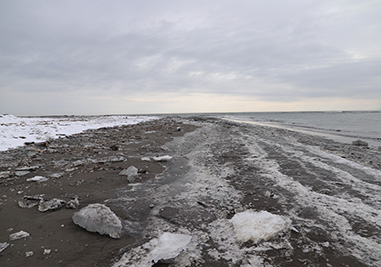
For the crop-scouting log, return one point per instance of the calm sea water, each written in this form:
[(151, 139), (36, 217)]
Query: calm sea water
[(343, 126)]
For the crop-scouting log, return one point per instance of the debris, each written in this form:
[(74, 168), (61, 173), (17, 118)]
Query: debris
[(47, 251), (99, 218), (18, 235), (3, 246), (162, 158), (38, 179), (53, 204)]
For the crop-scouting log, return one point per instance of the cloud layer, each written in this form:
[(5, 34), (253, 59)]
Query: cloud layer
[(96, 56)]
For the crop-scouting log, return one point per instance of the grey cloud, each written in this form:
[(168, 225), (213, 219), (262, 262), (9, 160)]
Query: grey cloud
[(298, 48)]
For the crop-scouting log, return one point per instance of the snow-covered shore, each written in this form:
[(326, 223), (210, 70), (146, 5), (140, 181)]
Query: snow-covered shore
[(15, 131)]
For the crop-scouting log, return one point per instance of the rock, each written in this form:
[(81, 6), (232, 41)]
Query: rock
[(38, 179), (99, 218), (3, 246), (47, 251), (73, 204), (162, 158), (360, 143), (178, 129), (131, 173), (18, 235), (53, 204), (114, 147)]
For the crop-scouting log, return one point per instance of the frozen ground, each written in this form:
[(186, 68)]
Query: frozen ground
[(15, 131), (258, 196)]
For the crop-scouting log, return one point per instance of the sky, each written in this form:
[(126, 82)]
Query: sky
[(95, 57)]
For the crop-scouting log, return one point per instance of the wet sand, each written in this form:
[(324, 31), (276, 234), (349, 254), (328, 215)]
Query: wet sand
[(330, 191)]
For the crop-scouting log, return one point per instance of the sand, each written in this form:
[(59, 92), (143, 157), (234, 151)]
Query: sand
[(329, 191)]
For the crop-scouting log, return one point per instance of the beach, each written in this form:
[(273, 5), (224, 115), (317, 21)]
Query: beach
[(201, 188)]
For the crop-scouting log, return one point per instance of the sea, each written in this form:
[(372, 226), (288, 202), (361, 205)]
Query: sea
[(342, 126)]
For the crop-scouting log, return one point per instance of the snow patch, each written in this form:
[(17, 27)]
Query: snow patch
[(15, 131)]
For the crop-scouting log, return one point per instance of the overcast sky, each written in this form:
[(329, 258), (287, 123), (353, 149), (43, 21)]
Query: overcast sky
[(158, 56)]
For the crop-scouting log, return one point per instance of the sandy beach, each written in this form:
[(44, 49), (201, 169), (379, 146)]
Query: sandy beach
[(326, 194)]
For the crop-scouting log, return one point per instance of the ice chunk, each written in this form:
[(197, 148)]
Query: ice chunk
[(162, 158), (145, 159), (38, 179), (3, 246), (166, 246), (131, 172), (18, 235), (53, 204), (99, 218), (257, 226)]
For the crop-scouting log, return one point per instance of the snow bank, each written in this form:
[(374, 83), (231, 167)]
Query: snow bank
[(166, 246), (15, 131), (258, 226)]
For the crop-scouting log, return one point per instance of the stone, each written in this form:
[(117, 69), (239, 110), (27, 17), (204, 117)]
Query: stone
[(18, 235), (99, 218), (53, 204), (360, 143)]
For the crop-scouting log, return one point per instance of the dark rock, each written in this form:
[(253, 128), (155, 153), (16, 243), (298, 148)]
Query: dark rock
[(360, 143)]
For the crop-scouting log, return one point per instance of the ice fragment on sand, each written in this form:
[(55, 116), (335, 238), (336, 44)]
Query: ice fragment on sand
[(18, 235), (26, 204), (3, 246), (166, 246), (257, 226), (38, 179), (162, 158), (99, 218), (73, 204), (145, 159), (53, 204), (131, 173)]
